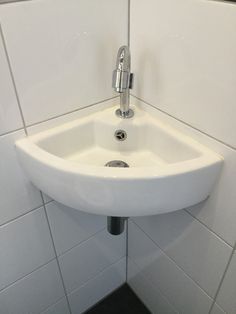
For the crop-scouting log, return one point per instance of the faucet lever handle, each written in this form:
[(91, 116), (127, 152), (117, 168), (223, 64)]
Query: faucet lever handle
[(131, 80)]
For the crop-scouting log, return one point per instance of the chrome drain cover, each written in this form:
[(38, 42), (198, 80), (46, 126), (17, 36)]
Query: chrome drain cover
[(120, 135), (117, 163)]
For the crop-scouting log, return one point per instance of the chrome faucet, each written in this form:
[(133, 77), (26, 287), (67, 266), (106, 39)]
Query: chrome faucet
[(122, 82)]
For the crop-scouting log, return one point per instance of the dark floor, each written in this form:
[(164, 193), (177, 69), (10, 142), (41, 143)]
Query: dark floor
[(122, 301)]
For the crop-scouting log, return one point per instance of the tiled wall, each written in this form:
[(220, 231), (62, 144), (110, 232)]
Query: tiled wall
[(56, 57), (183, 57)]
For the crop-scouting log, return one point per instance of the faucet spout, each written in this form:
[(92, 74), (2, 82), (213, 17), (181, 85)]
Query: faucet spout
[(122, 81)]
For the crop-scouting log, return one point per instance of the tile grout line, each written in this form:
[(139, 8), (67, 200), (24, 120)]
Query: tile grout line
[(12, 78), (127, 250), (70, 112), (208, 229), (27, 275), (128, 29), (12, 131), (185, 123), (221, 282), (153, 285), (222, 279), (107, 294), (55, 252), (12, 1), (95, 276), (80, 243), (93, 306), (170, 258), (58, 301), (20, 216), (214, 303)]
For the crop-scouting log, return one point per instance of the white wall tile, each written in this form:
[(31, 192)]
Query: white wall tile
[(17, 194), (183, 293), (33, 293), (199, 252), (90, 257), (60, 307), (226, 297), (10, 118), (183, 55), (63, 54), (25, 244), (218, 211), (149, 295), (96, 289), (70, 226), (68, 117)]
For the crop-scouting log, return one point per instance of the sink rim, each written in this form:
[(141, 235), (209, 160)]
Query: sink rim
[(150, 172), (205, 157)]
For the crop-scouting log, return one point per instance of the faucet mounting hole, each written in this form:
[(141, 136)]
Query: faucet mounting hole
[(124, 114)]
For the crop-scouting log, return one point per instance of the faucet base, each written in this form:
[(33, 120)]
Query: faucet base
[(126, 114)]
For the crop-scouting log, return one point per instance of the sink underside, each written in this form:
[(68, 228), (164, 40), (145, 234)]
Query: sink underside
[(167, 170)]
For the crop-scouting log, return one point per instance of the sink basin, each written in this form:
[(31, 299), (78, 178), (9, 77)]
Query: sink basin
[(167, 170)]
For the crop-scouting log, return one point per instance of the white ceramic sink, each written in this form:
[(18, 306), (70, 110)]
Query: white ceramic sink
[(167, 170)]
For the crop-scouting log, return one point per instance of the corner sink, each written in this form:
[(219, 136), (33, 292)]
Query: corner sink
[(167, 170)]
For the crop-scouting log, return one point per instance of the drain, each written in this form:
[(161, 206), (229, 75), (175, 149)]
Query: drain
[(120, 135), (117, 163)]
